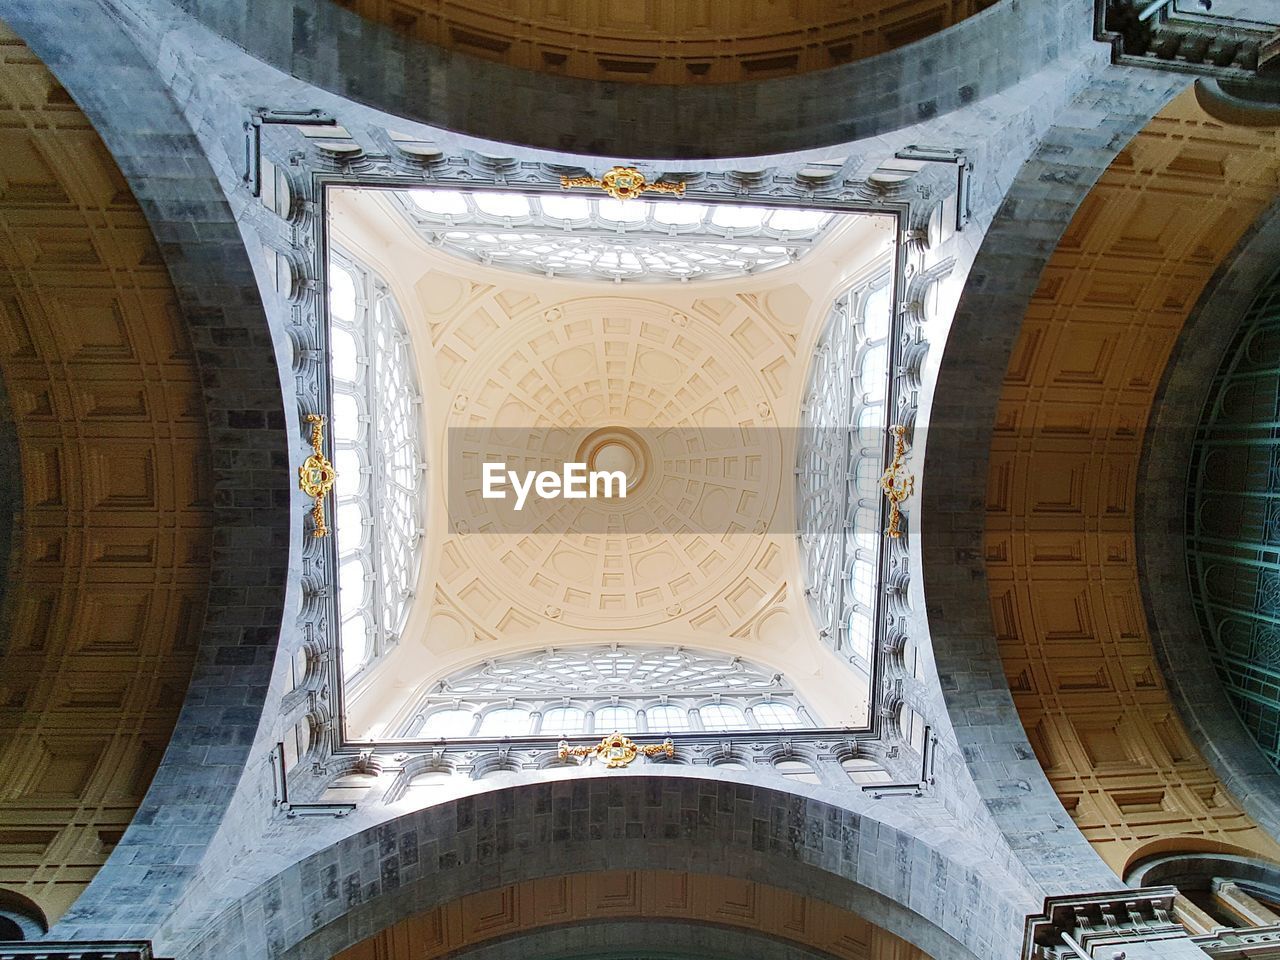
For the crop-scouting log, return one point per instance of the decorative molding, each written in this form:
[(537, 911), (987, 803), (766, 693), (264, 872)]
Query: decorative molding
[(78, 950), (617, 750), (316, 476), (1202, 45), (897, 484), (1082, 925), (623, 183)]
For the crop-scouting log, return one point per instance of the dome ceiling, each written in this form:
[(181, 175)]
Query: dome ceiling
[(697, 384), (669, 41)]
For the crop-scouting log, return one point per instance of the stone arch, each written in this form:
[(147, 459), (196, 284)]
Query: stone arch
[(105, 487), (253, 513), (648, 937), (953, 901), (388, 70), (1011, 612), (21, 917), (1041, 202)]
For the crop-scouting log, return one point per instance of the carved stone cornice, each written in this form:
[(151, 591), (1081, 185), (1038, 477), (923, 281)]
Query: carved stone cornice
[(1085, 924), (1201, 45), (78, 950)]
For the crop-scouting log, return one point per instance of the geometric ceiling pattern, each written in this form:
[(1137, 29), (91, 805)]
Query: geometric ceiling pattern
[(1060, 552), (669, 41), (701, 382), (107, 598), (578, 899)]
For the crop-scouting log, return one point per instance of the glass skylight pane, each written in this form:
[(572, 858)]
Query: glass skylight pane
[(775, 716), (343, 355), (563, 721), (679, 213), (624, 211), (355, 646), (667, 719), (508, 722), (876, 314), (444, 202), (738, 217), (722, 716), (805, 220), (615, 720), (346, 417), (342, 294), (872, 373), (448, 723), (565, 208), (502, 204)]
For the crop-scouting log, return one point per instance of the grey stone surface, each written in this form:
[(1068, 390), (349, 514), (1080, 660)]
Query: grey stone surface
[(939, 896), (207, 870), (1160, 522), (375, 65), (1036, 208), (179, 193)]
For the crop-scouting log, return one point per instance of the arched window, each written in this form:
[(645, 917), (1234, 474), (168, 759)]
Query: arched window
[(840, 461), (605, 239), (604, 689), (378, 456)]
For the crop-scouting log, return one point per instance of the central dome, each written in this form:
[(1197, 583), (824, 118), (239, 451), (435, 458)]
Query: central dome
[(617, 383), (616, 449)]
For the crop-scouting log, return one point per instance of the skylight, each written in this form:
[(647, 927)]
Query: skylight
[(604, 239)]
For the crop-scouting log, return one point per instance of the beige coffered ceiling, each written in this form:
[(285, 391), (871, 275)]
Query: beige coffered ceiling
[(702, 552), (1061, 563)]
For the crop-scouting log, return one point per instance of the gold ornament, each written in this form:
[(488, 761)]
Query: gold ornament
[(896, 483), (623, 183), (617, 751), (316, 475)]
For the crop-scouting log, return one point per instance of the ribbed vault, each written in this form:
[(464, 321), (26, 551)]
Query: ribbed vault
[(1060, 553)]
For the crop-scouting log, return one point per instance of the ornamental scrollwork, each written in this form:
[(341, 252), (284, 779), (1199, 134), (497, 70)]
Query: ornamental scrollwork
[(623, 183), (316, 476), (896, 483), (617, 750)]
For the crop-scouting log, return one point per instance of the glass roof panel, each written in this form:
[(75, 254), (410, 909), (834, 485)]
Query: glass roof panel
[(597, 237)]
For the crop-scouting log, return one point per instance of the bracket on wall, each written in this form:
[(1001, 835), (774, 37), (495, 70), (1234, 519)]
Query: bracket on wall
[(253, 136), (953, 157), (917, 789), (280, 791)]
